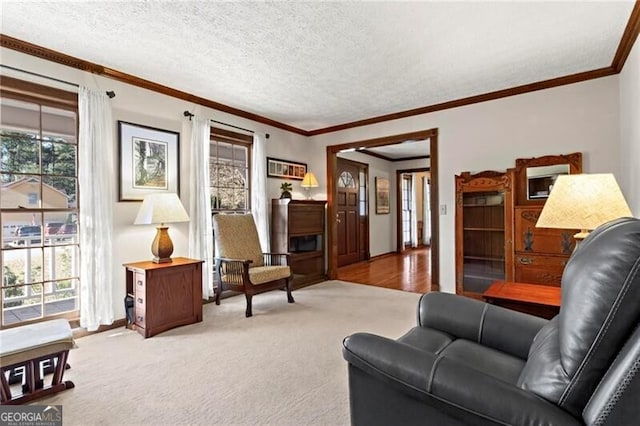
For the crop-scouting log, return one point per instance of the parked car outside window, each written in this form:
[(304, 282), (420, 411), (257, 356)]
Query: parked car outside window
[(52, 228), (68, 228), (25, 232)]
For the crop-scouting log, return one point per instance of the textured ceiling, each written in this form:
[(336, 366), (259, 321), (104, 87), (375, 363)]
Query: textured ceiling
[(313, 65)]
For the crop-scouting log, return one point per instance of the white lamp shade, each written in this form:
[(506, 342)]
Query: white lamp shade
[(309, 181), (583, 201), (161, 208)]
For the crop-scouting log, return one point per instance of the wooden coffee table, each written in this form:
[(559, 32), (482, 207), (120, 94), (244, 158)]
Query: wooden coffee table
[(535, 299)]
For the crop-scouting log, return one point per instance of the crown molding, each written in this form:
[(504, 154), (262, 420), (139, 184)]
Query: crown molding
[(518, 90), (71, 61), (628, 39)]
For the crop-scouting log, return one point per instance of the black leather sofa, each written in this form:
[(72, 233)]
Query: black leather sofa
[(472, 363)]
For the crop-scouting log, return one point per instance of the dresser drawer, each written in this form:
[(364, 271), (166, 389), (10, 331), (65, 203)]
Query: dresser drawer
[(539, 269), (528, 238)]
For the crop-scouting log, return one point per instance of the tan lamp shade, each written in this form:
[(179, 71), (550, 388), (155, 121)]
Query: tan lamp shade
[(161, 208), (309, 181), (584, 202)]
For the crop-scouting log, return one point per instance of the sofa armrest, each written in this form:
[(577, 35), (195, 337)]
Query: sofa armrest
[(461, 391), (499, 328)]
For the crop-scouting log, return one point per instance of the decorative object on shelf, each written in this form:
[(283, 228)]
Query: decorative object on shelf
[(149, 161), (382, 196), (309, 181), (161, 208), (285, 189), (583, 202), (277, 168)]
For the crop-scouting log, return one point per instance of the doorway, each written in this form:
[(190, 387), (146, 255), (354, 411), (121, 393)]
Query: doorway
[(414, 207), (332, 213)]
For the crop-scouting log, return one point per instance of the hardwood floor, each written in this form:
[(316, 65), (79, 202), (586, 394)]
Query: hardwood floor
[(409, 271)]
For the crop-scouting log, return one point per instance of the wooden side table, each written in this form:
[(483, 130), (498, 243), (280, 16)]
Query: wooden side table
[(165, 295), (535, 299)]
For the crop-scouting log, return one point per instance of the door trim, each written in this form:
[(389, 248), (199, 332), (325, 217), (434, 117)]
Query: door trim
[(332, 229)]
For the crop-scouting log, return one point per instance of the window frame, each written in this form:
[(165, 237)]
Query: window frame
[(43, 96), (239, 139)]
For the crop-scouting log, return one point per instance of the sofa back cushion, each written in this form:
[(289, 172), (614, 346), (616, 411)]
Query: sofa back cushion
[(600, 309)]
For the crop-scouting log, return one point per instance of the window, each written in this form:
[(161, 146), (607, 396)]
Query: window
[(229, 168), (39, 193)]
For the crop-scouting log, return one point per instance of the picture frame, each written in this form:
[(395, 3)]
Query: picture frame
[(383, 204), (285, 169), (149, 161)]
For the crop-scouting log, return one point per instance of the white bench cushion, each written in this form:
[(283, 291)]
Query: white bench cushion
[(32, 341)]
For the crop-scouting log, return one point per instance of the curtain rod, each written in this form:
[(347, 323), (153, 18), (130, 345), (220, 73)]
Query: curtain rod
[(110, 93), (189, 114)]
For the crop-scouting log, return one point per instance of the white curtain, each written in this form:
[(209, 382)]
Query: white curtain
[(414, 210), (96, 181), (259, 207), (200, 226)]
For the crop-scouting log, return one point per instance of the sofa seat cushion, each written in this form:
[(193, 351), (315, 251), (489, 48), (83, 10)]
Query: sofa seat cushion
[(499, 365), (32, 341), (265, 274)]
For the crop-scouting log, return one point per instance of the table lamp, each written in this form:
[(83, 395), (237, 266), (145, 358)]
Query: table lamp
[(309, 181), (584, 202), (161, 208)]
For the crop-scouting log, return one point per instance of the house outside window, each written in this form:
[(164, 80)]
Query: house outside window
[(229, 168), (40, 250)]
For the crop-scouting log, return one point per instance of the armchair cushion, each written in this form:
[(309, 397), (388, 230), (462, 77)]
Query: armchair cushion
[(265, 274), (242, 243)]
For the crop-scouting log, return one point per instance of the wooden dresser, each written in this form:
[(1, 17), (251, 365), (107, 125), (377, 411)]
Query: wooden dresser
[(165, 295), (298, 228)]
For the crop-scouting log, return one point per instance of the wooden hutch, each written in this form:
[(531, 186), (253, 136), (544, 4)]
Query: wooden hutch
[(298, 228), (484, 208)]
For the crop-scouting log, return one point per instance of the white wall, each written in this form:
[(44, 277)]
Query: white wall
[(491, 135), (629, 179), (580, 117), (140, 106)]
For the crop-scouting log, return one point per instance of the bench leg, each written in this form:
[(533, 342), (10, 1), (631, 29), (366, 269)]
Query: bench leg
[(30, 390)]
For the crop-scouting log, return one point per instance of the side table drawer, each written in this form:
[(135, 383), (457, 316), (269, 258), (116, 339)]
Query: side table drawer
[(139, 283), (539, 269)]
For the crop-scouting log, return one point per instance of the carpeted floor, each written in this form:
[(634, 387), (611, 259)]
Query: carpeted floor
[(283, 366)]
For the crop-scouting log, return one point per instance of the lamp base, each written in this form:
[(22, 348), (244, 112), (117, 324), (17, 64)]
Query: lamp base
[(162, 246)]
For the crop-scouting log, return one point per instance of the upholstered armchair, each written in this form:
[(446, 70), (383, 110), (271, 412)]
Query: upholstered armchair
[(240, 263), (471, 363)]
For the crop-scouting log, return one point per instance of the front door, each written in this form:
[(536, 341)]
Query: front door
[(348, 216)]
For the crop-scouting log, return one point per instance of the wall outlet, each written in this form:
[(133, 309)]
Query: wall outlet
[(443, 209)]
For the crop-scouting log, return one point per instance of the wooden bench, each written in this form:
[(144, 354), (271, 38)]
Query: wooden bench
[(27, 347)]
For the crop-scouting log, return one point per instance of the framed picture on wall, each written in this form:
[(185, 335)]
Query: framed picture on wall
[(285, 169), (383, 205), (149, 161)]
